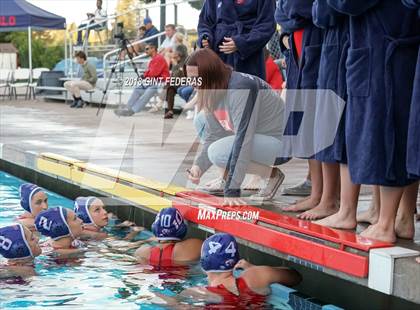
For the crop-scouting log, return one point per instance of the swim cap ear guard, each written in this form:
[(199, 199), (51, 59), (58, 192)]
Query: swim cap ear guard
[(13, 243), (169, 224), (219, 253), (53, 223), (81, 208), (26, 192)]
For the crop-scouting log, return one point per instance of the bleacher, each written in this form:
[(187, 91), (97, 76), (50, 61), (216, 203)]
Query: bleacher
[(107, 49)]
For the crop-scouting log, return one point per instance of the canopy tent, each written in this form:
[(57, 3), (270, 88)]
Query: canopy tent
[(19, 15)]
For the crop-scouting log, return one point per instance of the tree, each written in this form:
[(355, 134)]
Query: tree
[(130, 20), (43, 55), (197, 4)]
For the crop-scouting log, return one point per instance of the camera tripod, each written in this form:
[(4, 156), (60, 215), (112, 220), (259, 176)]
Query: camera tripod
[(123, 47)]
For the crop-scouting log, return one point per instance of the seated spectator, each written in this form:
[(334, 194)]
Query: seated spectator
[(87, 82), (137, 48), (158, 68), (150, 31), (170, 229), (169, 43), (95, 20), (273, 73), (219, 258), (179, 40), (178, 58)]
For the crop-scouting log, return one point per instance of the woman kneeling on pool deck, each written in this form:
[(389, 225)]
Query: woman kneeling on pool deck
[(219, 257), (63, 227), (33, 200), (19, 246), (169, 229), (91, 210), (243, 126)]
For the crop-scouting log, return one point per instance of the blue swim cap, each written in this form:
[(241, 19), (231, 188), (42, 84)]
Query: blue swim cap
[(13, 243), (26, 192), (81, 208), (169, 225), (219, 253), (53, 223)]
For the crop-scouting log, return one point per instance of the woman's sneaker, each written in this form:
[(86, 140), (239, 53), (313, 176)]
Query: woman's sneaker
[(269, 191)]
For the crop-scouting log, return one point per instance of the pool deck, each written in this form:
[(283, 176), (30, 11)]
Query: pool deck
[(148, 146)]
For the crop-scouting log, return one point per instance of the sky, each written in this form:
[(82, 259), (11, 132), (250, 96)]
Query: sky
[(75, 11)]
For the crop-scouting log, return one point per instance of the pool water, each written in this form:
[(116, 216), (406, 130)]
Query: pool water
[(102, 277)]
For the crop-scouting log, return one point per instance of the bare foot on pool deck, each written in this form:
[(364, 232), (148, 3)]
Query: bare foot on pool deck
[(386, 234), (303, 204), (369, 216), (340, 220), (320, 211), (404, 227), (418, 260)]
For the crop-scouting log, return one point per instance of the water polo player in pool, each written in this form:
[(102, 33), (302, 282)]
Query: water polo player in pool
[(91, 210), (219, 257), (63, 227), (33, 200), (19, 246), (169, 229)]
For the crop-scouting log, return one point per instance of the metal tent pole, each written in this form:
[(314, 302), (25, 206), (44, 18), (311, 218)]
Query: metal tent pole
[(65, 52), (30, 52)]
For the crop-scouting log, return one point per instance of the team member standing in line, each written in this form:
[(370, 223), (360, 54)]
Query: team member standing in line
[(238, 30)]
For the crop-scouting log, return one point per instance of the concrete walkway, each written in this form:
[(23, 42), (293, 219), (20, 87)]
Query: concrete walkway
[(144, 144)]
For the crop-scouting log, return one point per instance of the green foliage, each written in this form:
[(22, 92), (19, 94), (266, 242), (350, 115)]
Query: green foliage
[(42, 55), (197, 4)]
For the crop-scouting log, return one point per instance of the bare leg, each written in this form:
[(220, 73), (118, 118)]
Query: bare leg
[(384, 229), (328, 203), (371, 215), (404, 223), (315, 172), (345, 218)]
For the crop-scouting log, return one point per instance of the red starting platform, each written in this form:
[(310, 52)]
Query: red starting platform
[(331, 248)]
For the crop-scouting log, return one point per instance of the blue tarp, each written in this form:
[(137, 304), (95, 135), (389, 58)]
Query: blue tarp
[(18, 15)]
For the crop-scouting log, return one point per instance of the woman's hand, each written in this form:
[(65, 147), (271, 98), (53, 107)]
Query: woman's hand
[(194, 174), (205, 43), (228, 46), (233, 202)]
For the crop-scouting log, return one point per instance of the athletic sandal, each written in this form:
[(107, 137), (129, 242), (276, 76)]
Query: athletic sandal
[(253, 185), (270, 190), (215, 187), (301, 189)]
